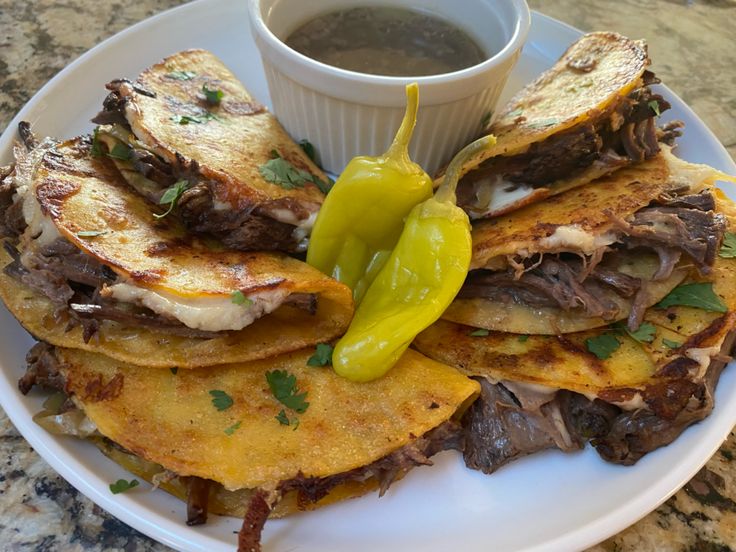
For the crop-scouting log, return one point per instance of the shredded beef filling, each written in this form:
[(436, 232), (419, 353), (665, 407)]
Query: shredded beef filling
[(499, 427), (247, 229), (670, 227), (627, 134)]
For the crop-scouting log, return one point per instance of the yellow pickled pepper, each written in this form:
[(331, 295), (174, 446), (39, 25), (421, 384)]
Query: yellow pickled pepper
[(420, 279), (362, 217)]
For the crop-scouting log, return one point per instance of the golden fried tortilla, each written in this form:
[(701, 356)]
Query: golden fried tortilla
[(686, 340), (170, 419), (235, 139)]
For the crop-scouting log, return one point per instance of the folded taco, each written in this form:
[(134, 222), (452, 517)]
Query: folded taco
[(596, 254), (259, 439), (592, 113), (627, 392), (188, 121), (91, 264)]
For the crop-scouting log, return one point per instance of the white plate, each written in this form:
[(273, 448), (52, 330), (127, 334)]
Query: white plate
[(550, 501)]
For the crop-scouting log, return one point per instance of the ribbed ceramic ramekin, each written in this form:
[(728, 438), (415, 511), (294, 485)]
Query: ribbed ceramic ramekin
[(344, 113)]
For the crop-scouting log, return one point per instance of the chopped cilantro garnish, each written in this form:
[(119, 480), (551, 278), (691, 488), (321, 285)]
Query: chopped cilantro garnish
[(603, 345), (121, 152), (174, 370), (221, 400), (171, 196), (308, 148), (186, 119), (645, 333), (480, 332), (322, 355), (654, 106), (239, 298), (121, 485), (284, 419), (699, 295), (283, 386), (96, 146), (91, 233), (181, 75), (233, 428), (671, 344), (728, 249), (213, 96), (279, 171), (523, 338)]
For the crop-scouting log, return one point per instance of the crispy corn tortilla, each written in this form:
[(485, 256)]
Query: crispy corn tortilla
[(564, 362), (229, 148), (586, 82), (579, 221), (572, 221), (170, 418), (80, 193), (231, 503)]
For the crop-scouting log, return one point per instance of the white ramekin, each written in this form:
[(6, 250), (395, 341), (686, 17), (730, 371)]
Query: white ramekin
[(344, 113)]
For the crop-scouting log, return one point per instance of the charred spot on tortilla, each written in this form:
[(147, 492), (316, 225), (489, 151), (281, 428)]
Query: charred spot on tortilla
[(175, 133)]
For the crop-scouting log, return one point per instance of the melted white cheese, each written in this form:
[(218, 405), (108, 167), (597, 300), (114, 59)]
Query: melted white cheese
[(493, 194), (213, 314), (572, 237), (703, 357)]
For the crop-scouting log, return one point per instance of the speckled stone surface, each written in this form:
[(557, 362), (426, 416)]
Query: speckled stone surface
[(692, 43)]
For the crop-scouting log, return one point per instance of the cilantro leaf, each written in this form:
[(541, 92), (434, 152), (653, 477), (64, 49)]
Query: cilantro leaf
[(282, 417), (171, 196), (603, 345), (654, 106), (728, 248), (239, 298), (671, 344), (699, 295), (523, 338), (221, 400), (121, 152), (283, 386), (279, 171), (323, 186), (308, 148), (121, 485), (233, 428), (174, 370), (96, 146), (91, 233), (645, 333), (213, 96), (322, 355), (486, 119), (480, 332), (186, 119), (181, 75)]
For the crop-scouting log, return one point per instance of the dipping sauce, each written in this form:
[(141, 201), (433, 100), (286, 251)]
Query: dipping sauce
[(388, 41)]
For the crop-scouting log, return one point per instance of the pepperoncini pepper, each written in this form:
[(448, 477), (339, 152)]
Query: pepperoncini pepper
[(362, 217), (417, 283)]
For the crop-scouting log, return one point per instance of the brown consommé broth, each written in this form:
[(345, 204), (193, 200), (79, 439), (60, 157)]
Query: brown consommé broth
[(387, 41)]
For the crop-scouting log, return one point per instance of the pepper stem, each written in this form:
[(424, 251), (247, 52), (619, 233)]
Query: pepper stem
[(446, 191), (400, 145)]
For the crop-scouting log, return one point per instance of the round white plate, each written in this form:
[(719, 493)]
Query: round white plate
[(550, 501)]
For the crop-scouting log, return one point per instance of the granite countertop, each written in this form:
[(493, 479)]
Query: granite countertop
[(691, 42)]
